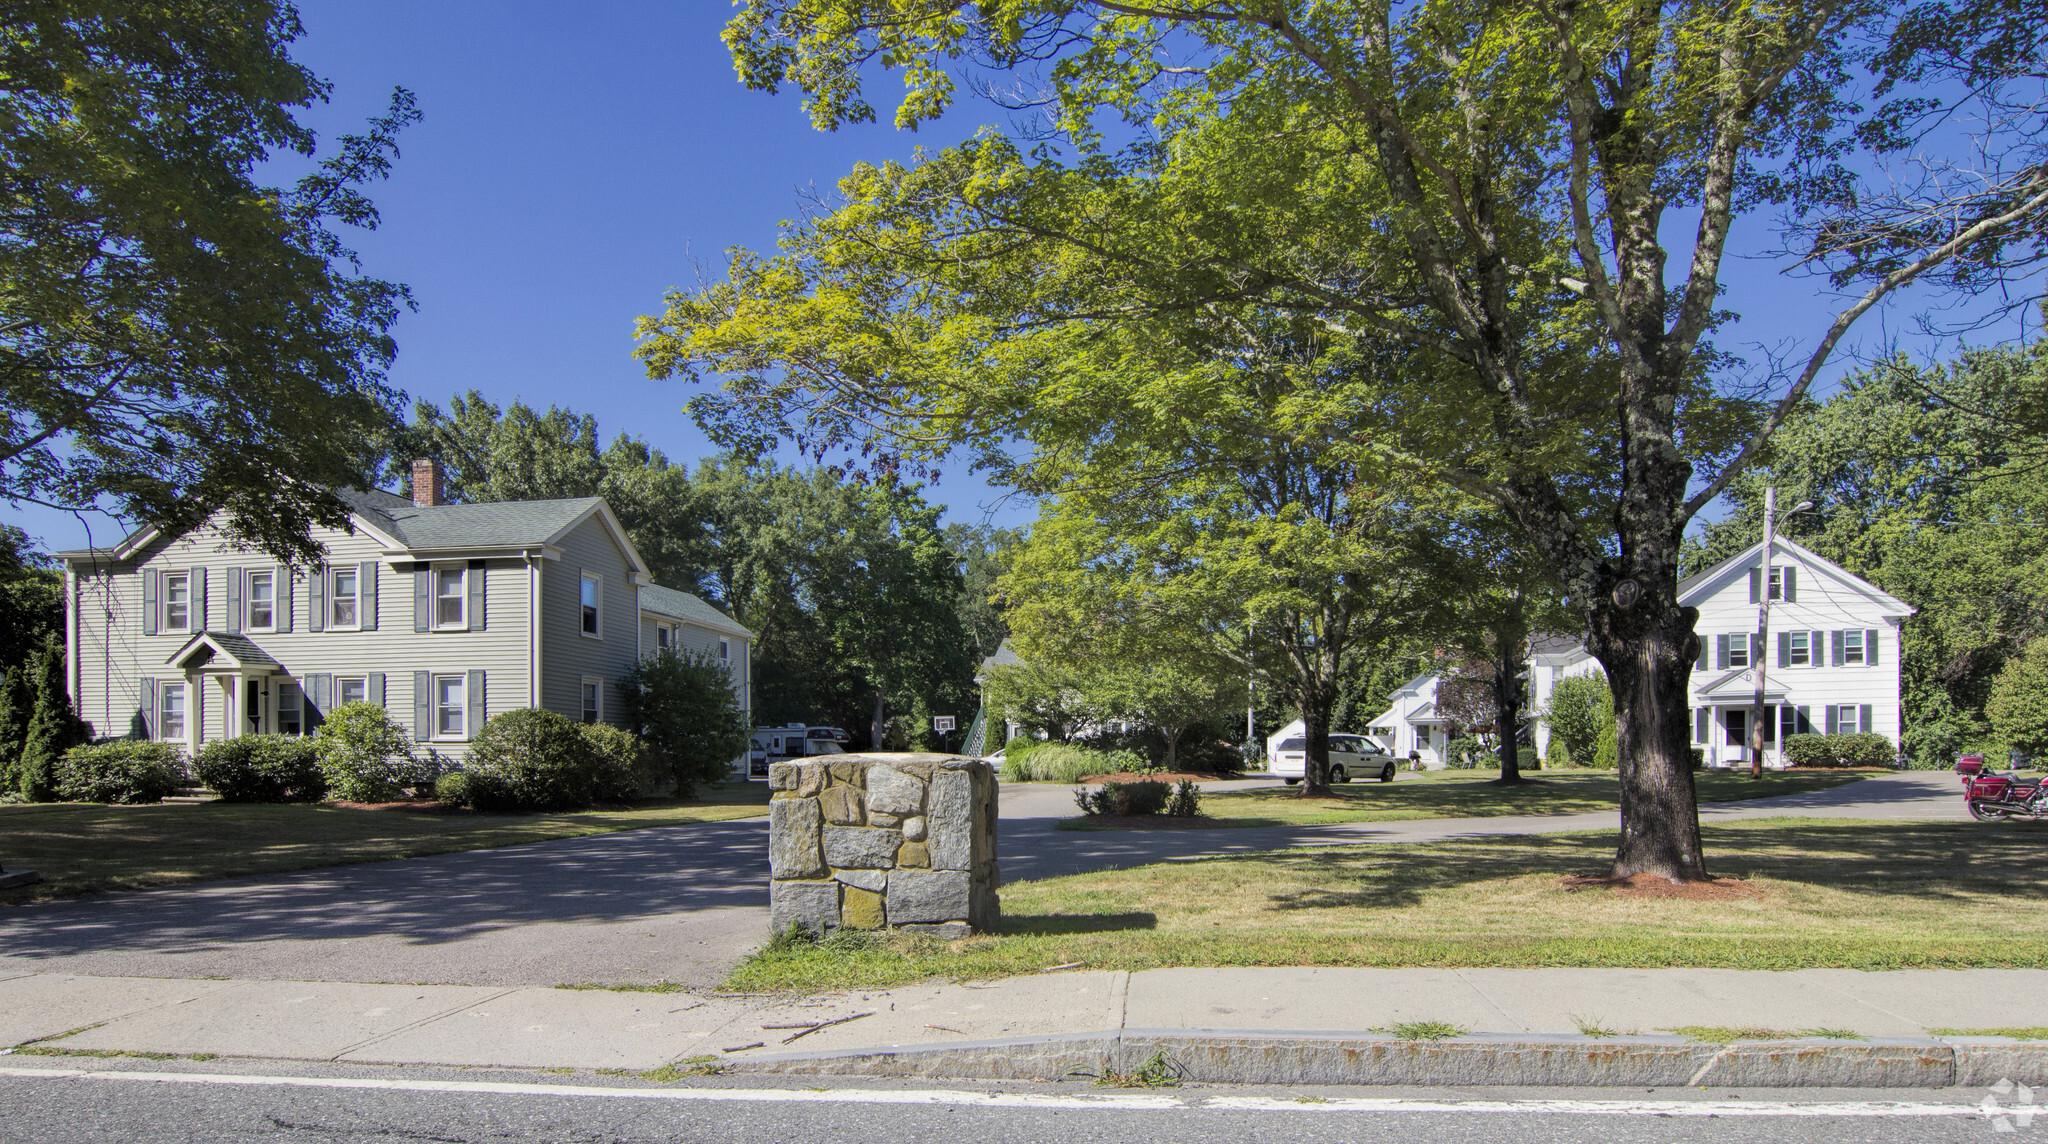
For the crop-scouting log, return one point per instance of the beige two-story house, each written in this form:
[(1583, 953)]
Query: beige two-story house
[(444, 614)]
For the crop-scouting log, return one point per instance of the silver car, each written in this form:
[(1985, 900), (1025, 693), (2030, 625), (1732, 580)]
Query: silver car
[(1350, 757)]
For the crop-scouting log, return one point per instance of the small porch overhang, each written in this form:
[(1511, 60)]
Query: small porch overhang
[(223, 653), (1737, 687)]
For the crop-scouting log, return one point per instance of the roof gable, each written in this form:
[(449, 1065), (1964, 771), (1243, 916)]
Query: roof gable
[(689, 608), (1696, 588)]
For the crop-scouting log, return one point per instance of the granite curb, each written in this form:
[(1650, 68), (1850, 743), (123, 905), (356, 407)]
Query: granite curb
[(1287, 1057)]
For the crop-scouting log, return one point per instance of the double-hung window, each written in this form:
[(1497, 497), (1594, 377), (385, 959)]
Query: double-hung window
[(725, 652), (351, 689), (664, 636), (1852, 646), (342, 597), (1848, 719), (288, 717), (177, 601), (450, 707), (448, 598), (170, 719), (1798, 648), (592, 593), (1738, 649), (262, 601), (593, 700)]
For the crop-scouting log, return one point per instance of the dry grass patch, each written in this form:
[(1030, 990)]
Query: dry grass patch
[(80, 848), (1824, 892)]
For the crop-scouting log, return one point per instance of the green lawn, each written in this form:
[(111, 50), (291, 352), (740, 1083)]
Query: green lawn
[(1833, 892), (82, 848), (1470, 794)]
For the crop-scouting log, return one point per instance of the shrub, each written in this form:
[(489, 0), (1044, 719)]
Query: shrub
[(262, 768), (618, 760), (683, 708), (453, 788), (1608, 756), (1559, 756), (1464, 754), (1015, 752), (1525, 758), (1186, 801), (1580, 710), (366, 757), (531, 759), (1065, 763), (53, 726), (1855, 750), (2018, 703), (1124, 799), (122, 771)]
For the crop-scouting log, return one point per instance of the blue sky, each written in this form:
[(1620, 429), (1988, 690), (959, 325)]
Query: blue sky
[(575, 162)]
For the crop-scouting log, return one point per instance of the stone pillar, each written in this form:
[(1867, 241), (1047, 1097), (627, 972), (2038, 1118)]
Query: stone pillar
[(883, 841)]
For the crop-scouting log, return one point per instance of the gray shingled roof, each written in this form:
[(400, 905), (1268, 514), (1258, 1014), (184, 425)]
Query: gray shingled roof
[(1003, 657), (239, 648), (683, 606), (497, 524)]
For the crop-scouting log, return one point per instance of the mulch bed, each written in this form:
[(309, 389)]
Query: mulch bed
[(1162, 821), (417, 805), (1172, 777), (1652, 886)]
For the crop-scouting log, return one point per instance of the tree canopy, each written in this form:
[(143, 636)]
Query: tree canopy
[(1494, 193), (177, 339)]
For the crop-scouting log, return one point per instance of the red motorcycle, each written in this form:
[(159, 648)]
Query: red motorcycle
[(1993, 797)]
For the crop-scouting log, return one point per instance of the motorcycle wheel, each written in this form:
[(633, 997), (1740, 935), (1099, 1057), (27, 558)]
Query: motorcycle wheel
[(1983, 812)]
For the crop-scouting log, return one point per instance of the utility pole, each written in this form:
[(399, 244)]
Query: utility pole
[(1757, 657)]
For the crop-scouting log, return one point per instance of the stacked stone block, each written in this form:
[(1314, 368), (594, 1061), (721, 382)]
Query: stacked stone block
[(875, 841)]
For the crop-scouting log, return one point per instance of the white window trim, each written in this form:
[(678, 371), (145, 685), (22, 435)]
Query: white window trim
[(598, 596), (163, 602), (249, 602), (1861, 651), (340, 679), (1792, 649), (461, 622), (461, 708), (277, 710), (333, 598), (163, 689), (725, 652), (1748, 660), (581, 710)]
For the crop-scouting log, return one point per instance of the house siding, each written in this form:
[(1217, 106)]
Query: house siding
[(567, 655), (704, 641), (114, 655)]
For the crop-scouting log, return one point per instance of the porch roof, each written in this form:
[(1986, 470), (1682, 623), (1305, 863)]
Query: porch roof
[(222, 651)]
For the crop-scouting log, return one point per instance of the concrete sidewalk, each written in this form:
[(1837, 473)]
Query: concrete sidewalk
[(1252, 1025)]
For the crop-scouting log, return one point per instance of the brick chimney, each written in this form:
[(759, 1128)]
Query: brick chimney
[(426, 483)]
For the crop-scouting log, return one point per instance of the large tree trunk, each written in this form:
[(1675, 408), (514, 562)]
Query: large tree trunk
[(875, 724), (1648, 650), (1315, 723), (1172, 737), (1509, 640)]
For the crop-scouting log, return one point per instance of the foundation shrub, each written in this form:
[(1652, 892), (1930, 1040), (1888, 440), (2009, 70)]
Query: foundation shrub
[(262, 768), (123, 771)]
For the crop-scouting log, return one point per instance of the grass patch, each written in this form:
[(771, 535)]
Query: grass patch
[(84, 848), (106, 1054), (2028, 1033), (1470, 794), (1156, 1072), (1830, 893), (685, 1069), (1424, 1030), (1590, 1027)]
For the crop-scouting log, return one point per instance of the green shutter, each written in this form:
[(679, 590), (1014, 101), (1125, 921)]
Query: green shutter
[(374, 688), (316, 599), (281, 579), (366, 589), (197, 588), (233, 622), (1753, 574), (1788, 583), (1870, 647), (150, 582), (1721, 652), (1784, 649), (146, 703), (422, 598), (475, 694), (476, 595), (1835, 647), (422, 706), (1863, 719)]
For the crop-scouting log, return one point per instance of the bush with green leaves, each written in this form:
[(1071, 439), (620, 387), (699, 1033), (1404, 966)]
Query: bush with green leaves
[(1465, 753), (1124, 799), (1066, 763), (366, 757), (1580, 711), (2017, 705), (262, 768), (53, 725), (531, 760), (1186, 801), (682, 706), (619, 762), (125, 771), (1607, 756), (1849, 750)]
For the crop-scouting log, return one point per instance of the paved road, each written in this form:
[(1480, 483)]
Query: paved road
[(275, 1101), (677, 904)]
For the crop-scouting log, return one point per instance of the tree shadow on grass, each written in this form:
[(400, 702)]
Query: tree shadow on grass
[(1919, 861), (1062, 925)]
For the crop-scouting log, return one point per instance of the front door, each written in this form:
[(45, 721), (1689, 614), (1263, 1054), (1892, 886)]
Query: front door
[(253, 695), (1738, 733)]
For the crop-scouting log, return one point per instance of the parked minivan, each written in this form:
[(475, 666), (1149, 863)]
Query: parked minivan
[(1351, 757)]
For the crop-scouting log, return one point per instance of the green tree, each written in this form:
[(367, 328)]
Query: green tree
[(1170, 698), (177, 339), (1580, 711), (1043, 700), (31, 598), (683, 707), (983, 552), (2018, 705), (53, 728), (17, 704), (1493, 189)]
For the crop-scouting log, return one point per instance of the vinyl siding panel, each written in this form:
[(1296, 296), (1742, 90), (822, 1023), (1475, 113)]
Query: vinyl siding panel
[(114, 655), (567, 655)]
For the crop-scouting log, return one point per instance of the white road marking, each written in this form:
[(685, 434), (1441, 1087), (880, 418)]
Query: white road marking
[(1128, 1102)]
